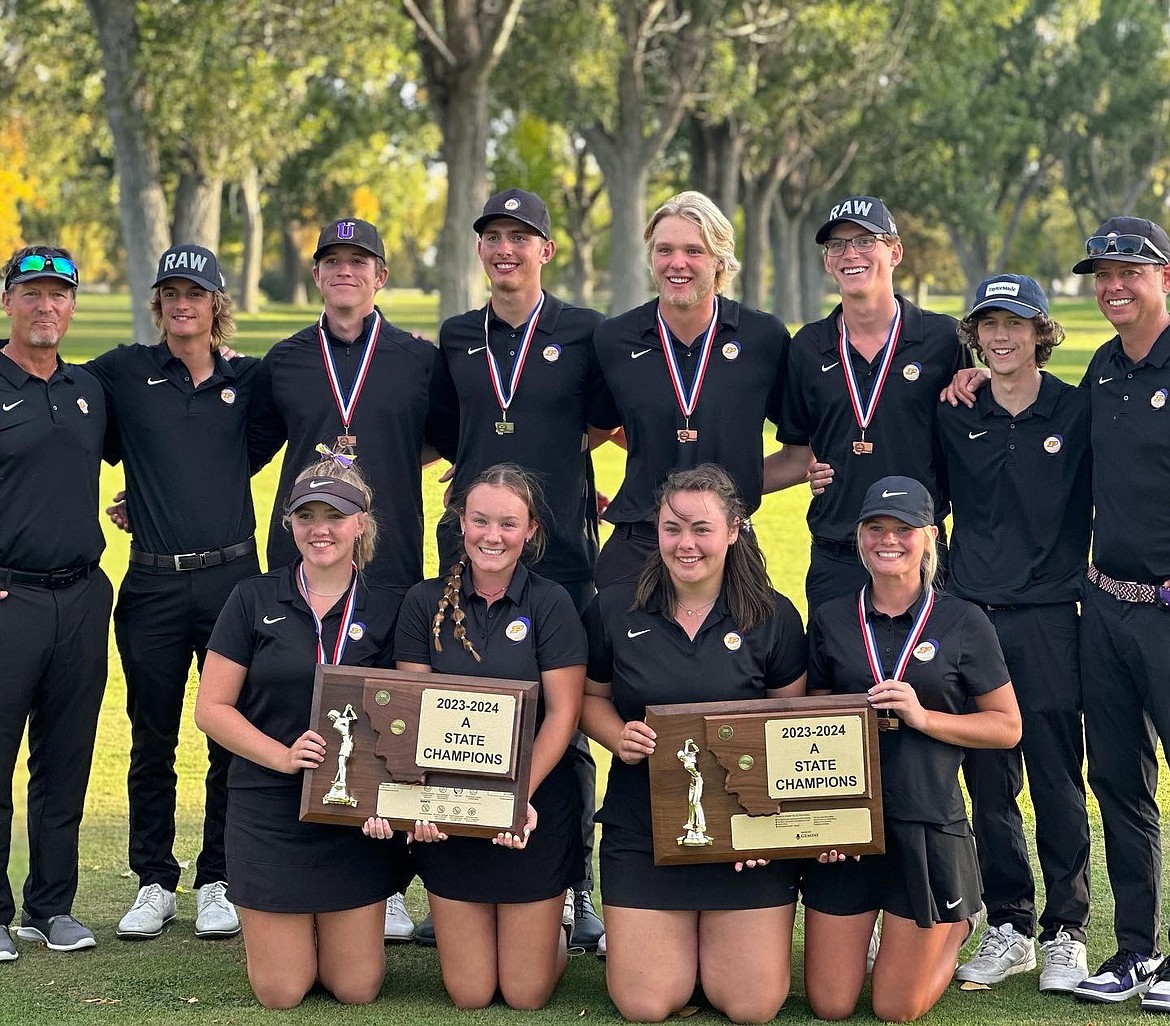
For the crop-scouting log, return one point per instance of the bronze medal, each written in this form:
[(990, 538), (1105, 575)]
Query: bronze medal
[(347, 444), (687, 435), (862, 448)]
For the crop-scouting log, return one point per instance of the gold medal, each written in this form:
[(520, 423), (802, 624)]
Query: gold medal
[(505, 427)]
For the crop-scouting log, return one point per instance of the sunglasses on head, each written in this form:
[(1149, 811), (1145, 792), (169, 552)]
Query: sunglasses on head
[(37, 262), (1122, 245)]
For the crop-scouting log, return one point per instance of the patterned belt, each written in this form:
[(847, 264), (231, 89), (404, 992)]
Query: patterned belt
[(1129, 591)]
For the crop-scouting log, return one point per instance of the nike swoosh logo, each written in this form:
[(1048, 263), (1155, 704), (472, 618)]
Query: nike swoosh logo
[(890, 495), (637, 634), (472, 352), (277, 619), (156, 381), (955, 903), (634, 356), (318, 484), (1101, 381), (826, 367), (12, 406), (975, 434)]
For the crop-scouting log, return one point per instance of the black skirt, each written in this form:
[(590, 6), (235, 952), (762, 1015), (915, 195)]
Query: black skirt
[(276, 863)]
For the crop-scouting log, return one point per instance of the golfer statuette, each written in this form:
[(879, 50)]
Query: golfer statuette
[(343, 724)]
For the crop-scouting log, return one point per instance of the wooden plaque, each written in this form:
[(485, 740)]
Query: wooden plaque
[(450, 749), (778, 778)]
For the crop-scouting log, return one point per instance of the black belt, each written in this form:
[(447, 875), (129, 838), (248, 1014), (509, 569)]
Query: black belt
[(194, 560), (51, 579), (837, 548)]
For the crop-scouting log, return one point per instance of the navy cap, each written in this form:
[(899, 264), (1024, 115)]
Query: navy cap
[(350, 231), (1100, 245), (186, 260), (525, 207), (900, 497), (1016, 293), (341, 495), (868, 211)]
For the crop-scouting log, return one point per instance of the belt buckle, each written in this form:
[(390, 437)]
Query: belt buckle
[(61, 578), (189, 560)]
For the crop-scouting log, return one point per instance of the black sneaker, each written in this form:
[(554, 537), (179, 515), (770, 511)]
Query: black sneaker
[(588, 928), (424, 933), (1119, 977)]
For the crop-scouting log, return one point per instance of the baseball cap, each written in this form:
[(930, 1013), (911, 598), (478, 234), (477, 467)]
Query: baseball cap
[(525, 207), (349, 231), (868, 211), (1016, 293), (42, 262), (186, 260), (1132, 240), (341, 495), (899, 497)]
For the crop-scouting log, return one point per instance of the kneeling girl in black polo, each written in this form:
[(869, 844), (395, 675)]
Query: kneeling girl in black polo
[(702, 624), (933, 669), (311, 896), (497, 905)]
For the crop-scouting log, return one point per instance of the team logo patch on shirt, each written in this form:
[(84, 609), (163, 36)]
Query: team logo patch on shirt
[(730, 351), (518, 629), (912, 371), (228, 395), (926, 651), (357, 631), (1053, 444), (1158, 399), (551, 353), (733, 640), (83, 406)]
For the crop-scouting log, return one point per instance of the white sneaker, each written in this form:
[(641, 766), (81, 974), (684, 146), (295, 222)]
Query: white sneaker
[(1065, 964), (152, 910), (1002, 952), (875, 941), (601, 948), (215, 916), (398, 925)]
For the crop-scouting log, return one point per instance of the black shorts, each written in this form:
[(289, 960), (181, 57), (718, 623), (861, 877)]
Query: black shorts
[(929, 874)]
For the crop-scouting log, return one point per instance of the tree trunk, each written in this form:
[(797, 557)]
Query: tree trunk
[(142, 205), (579, 276), (628, 273), (249, 290), (757, 204), (813, 278), (785, 265), (293, 273), (198, 201)]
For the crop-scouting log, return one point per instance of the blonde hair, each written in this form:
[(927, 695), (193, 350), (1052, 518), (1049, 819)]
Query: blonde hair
[(364, 543), (929, 551), (716, 231), (223, 323)]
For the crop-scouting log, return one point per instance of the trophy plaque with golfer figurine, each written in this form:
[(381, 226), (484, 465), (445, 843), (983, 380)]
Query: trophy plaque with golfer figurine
[(455, 751), (779, 778)]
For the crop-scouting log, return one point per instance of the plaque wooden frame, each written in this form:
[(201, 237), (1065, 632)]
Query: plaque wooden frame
[(385, 730), (729, 752)]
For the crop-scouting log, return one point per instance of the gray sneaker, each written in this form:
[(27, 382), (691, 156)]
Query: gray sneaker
[(57, 933), (1065, 964), (1002, 952), (215, 916), (8, 952), (152, 910), (397, 924)]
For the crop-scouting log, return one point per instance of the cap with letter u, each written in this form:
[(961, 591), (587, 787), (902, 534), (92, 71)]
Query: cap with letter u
[(1016, 293), (868, 211), (194, 263), (1130, 240), (902, 498), (350, 231)]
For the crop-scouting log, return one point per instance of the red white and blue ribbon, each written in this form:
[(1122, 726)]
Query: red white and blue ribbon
[(871, 650), (504, 398), (346, 406), (864, 411), (346, 618), (688, 402)]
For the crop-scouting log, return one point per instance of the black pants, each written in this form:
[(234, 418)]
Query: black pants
[(163, 618), (1040, 645), (622, 557), (1125, 664), (53, 675)]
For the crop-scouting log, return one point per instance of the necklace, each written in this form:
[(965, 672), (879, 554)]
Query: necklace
[(490, 594), (697, 610)]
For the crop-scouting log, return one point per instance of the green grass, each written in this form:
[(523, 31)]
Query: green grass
[(177, 979)]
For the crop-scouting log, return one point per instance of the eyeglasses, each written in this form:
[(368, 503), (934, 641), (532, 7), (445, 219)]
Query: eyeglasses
[(860, 244), (36, 262), (1122, 245)]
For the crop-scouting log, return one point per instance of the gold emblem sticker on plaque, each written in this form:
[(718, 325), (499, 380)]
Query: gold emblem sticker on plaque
[(462, 805), (802, 829), (465, 731), (821, 757)]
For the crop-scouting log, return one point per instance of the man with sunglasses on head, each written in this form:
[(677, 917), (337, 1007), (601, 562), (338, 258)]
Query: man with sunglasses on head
[(1125, 621), (54, 599), (860, 392)]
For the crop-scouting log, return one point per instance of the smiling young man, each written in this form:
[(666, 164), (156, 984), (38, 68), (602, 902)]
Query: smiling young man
[(54, 598), (1125, 613), (860, 391), (1018, 474), (193, 528)]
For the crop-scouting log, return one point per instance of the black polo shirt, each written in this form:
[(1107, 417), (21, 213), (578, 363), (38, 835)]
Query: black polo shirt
[(648, 659), (185, 448), (560, 394), (52, 437), (920, 780), (294, 403), (267, 626), (1130, 404), (817, 412), (742, 386), (1020, 495)]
